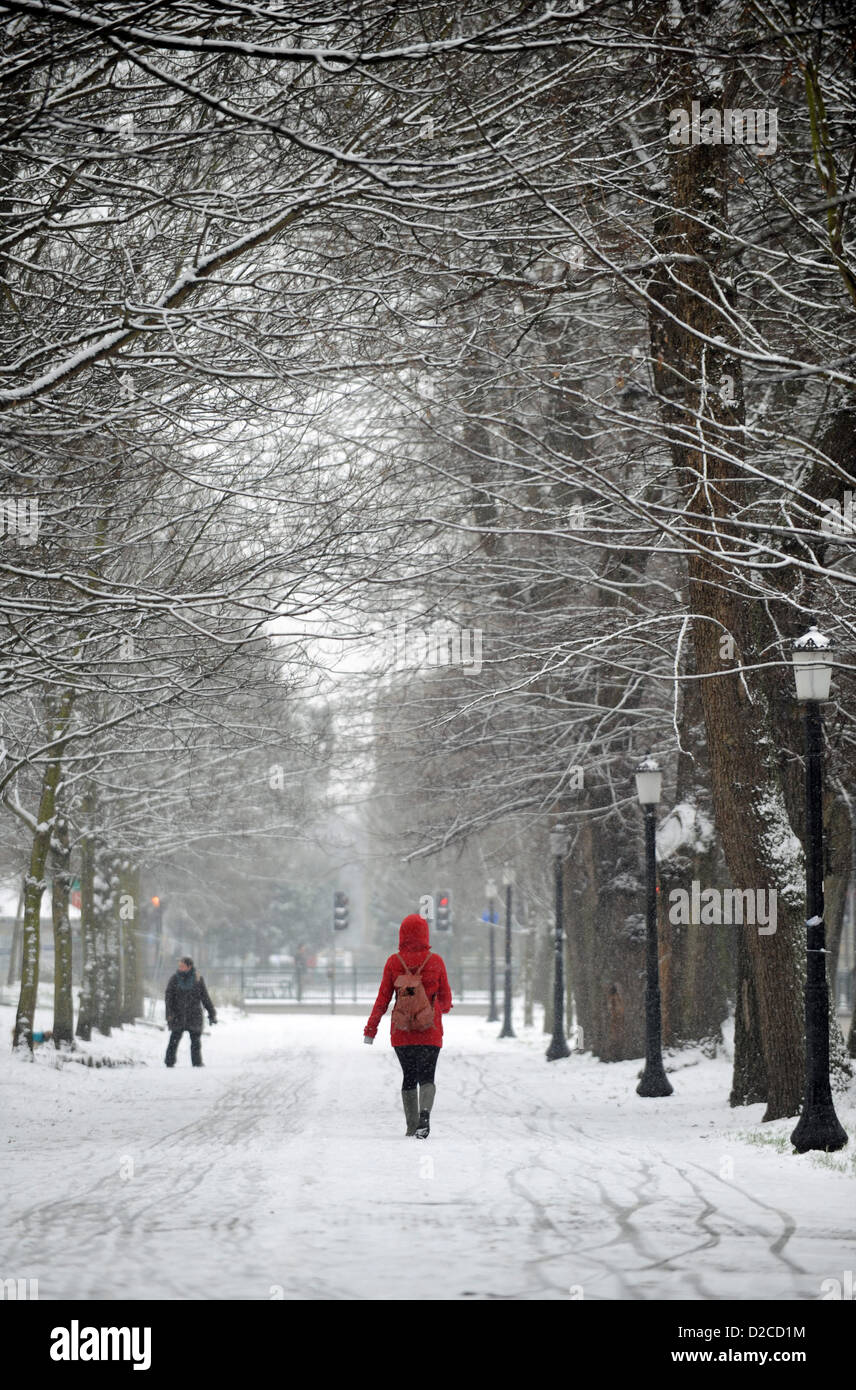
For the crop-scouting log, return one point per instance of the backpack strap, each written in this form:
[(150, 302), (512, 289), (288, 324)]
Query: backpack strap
[(406, 968)]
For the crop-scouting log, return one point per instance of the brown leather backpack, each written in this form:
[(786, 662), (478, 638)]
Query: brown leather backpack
[(413, 1012)]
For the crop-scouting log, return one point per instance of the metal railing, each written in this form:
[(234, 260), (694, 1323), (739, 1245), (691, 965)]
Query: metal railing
[(316, 985)]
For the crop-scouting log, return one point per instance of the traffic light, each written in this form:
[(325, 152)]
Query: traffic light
[(444, 912), (340, 911)]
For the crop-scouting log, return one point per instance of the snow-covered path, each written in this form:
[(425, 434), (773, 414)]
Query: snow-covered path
[(281, 1170)]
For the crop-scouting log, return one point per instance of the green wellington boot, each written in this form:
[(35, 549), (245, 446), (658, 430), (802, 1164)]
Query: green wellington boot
[(426, 1100), (410, 1100)]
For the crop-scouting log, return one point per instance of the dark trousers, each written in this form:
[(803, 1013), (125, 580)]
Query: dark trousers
[(195, 1046), (417, 1062)]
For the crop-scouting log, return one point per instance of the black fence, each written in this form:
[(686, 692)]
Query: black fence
[(348, 984)]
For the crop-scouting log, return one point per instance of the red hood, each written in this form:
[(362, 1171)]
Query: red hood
[(413, 935)]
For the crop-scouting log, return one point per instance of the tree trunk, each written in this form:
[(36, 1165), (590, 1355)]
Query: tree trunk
[(115, 935), (582, 935), (59, 713), (107, 1002), (546, 959), (607, 941), (704, 433), (749, 1078), (838, 842), (87, 1009), (698, 960), (838, 847), (569, 983), (63, 1021), (131, 920)]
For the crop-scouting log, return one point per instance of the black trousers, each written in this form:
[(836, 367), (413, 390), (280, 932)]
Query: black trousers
[(195, 1046), (417, 1062)]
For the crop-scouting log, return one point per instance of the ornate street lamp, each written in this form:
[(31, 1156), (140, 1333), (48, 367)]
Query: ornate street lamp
[(490, 894), (508, 883), (819, 1126), (559, 845), (654, 1082)]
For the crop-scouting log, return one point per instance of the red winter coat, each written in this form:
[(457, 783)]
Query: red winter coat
[(413, 946)]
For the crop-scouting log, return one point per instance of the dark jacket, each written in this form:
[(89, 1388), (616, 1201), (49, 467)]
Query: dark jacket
[(412, 949), (184, 1007)]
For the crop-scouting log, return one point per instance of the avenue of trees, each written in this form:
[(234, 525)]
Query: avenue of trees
[(379, 320)]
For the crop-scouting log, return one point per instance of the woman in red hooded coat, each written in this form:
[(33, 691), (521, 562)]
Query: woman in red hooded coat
[(416, 1051)]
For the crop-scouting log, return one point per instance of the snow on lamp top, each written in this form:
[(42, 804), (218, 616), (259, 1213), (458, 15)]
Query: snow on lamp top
[(649, 780), (812, 655)]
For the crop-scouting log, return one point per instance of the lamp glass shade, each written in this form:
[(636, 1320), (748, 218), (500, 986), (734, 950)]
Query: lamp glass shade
[(812, 656), (559, 841), (490, 889), (649, 781), (507, 876)]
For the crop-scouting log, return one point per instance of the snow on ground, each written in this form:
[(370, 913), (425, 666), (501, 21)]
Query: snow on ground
[(281, 1170)]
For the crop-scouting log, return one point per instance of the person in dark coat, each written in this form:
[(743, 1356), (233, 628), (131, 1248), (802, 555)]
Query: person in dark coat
[(417, 1052), (186, 996)]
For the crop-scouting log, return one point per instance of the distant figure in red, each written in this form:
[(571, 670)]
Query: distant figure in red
[(417, 977)]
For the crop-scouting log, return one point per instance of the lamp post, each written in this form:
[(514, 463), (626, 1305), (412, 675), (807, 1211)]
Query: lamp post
[(559, 843), (654, 1082), (490, 894), (529, 978), (508, 884), (819, 1126)]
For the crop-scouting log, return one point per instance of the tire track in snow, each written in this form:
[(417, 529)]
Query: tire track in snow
[(789, 1224), (541, 1121), (112, 1222)]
